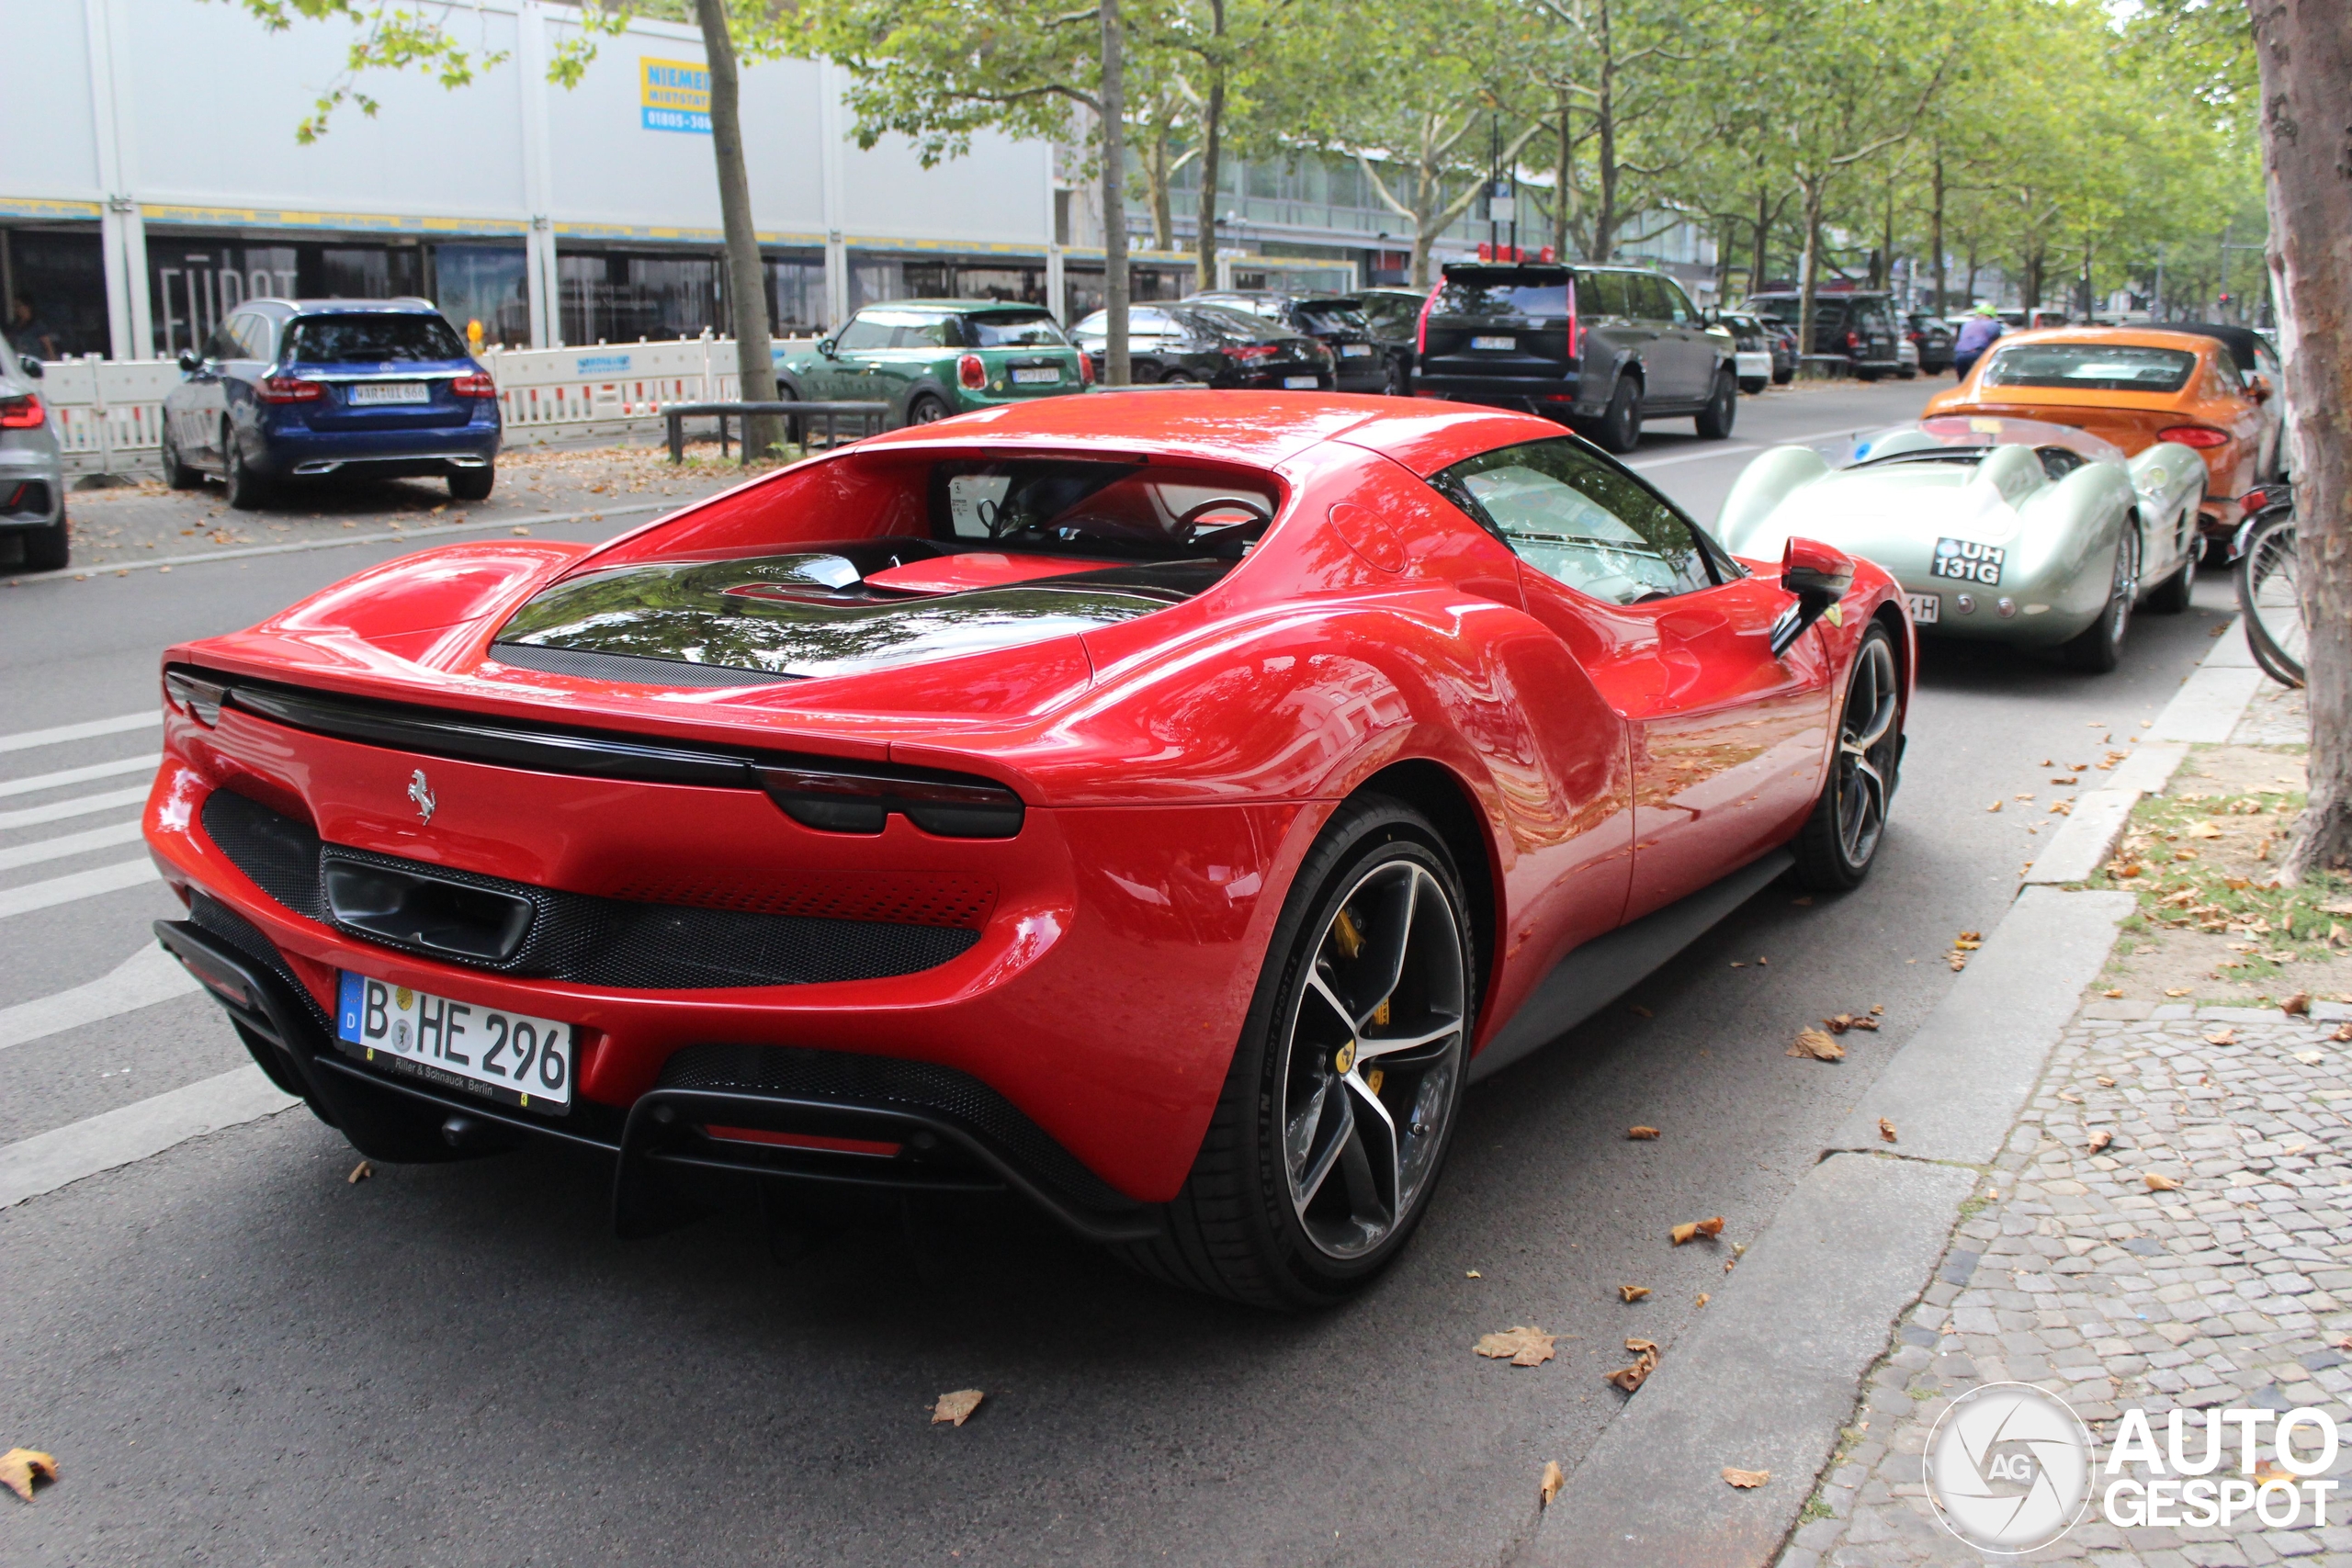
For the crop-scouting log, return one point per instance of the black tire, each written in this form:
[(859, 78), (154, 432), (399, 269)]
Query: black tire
[(1752, 385), (1866, 375), (926, 408), (1840, 840), (176, 472), (1178, 378), (2170, 597), (2269, 599), (1907, 374), (1395, 380), (473, 484), (248, 492), (1620, 429), (2099, 647), (50, 548), (1714, 421), (1782, 377), (1238, 1228)]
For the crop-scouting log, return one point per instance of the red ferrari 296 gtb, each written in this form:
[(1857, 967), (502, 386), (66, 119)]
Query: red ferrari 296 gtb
[(1160, 806)]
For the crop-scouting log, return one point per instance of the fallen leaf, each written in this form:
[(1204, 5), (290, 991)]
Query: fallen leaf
[(2296, 1006), (1708, 1228), (2224, 1035), (2069, 1097), (2111, 991), (1645, 1363), (1631, 1294), (1549, 1487), (1957, 961), (1813, 1043), (1886, 1130), (956, 1408), (2159, 1183), (2311, 1058), (2100, 1139), (1746, 1480), (1878, 1012), (1472, 1274), (18, 1467), (359, 1173), (1641, 1135), (1520, 1346), (1994, 807), (2202, 830), (2105, 1082), (2176, 990), (1969, 942), (2342, 1032), (1701, 1301)]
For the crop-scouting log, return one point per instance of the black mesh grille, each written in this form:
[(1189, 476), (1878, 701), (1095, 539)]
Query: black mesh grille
[(209, 914), (848, 1078), (596, 942), (630, 667)]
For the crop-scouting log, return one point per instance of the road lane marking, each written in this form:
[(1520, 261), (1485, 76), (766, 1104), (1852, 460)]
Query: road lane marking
[(89, 884), (58, 734), (1735, 448), (520, 520), (37, 782), (48, 1161), (69, 844), (147, 976), (57, 810)]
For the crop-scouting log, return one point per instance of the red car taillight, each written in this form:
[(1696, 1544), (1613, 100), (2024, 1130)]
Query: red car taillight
[(2255, 499), (290, 390), (2202, 436), (1853, 342), (1421, 325), (1246, 351), (474, 384), (1085, 370), (22, 414), (1576, 340), (970, 373)]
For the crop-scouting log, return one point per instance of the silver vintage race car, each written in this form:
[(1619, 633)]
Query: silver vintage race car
[(2003, 529)]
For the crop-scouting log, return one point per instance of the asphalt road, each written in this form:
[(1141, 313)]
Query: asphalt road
[(238, 1357)]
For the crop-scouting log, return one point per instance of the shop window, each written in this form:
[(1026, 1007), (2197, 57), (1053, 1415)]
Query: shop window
[(796, 295), (621, 299), (485, 283), (61, 279)]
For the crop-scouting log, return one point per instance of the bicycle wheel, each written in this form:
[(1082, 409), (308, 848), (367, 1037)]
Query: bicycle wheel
[(2269, 596)]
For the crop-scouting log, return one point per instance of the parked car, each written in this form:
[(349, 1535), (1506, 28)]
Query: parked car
[(930, 358), (1932, 338), (1115, 801), (1395, 317), (1334, 320), (1856, 327), (1906, 358), (289, 390), (1601, 349), (2004, 530), (1783, 339), (2136, 386), (32, 466), (1203, 345), (1751, 341)]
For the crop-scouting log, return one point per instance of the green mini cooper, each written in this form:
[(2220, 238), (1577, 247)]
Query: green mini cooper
[(930, 358)]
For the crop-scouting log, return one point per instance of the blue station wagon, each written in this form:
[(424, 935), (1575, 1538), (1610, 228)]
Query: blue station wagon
[(292, 390)]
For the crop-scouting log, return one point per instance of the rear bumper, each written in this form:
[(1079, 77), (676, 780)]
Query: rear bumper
[(298, 452), (33, 481), (1551, 397)]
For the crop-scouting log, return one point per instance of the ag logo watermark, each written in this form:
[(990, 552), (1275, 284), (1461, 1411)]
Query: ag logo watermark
[(2010, 1468)]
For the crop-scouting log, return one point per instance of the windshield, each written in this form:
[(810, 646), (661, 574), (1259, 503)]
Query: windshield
[(2093, 367), (1092, 508), (1016, 329), (1956, 437), (1331, 316), (348, 340), (1501, 295), (1392, 312)]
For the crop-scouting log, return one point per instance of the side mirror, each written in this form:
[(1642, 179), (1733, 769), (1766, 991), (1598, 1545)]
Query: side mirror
[(190, 363), (2258, 386), (825, 347), (1819, 577), (32, 367)]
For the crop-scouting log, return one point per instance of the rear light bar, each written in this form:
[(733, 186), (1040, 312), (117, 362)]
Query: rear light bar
[(1085, 368), (860, 803), (1853, 342), (970, 373), (2203, 437), (23, 412), (290, 390), (1422, 323), (474, 384), (195, 697), (1246, 351)]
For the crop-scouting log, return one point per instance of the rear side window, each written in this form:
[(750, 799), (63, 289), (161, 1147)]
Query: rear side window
[(346, 340), (2106, 367), (1603, 294), (1580, 522), (1331, 316), (900, 329), (1502, 296), (1021, 329)]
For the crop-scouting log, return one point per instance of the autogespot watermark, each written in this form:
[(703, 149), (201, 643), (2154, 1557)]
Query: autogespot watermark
[(2010, 1468)]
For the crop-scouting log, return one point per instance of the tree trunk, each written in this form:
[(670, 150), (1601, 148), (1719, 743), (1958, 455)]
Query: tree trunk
[(1163, 220), (1809, 264), (1604, 217), (1565, 172), (1762, 254), (1115, 196), (1212, 158), (747, 281), (1936, 231), (2305, 53)]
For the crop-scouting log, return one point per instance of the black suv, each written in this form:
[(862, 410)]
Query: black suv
[(1332, 321), (1395, 317), (1601, 349), (1857, 328)]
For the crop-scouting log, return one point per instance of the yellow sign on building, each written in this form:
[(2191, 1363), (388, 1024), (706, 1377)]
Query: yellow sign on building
[(674, 94)]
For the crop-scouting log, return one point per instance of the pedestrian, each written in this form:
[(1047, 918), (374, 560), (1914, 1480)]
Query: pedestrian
[(1973, 340), (30, 335)]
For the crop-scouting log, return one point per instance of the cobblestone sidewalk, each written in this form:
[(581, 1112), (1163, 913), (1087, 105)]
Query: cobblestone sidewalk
[(2070, 1272)]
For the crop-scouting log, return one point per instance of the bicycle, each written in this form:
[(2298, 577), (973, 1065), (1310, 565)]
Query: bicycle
[(2269, 595)]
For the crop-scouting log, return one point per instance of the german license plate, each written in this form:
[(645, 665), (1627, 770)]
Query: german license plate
[(390, 392), (504, 1057), (1306, 382), (1354, 350), (1968, 561), (1505, 343), (1046, 375), (1927, 609)]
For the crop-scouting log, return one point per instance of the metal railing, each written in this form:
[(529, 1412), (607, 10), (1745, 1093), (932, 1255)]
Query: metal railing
[(798, 417)]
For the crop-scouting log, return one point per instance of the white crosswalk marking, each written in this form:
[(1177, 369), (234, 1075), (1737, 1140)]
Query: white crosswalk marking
[(48, 1161), (27, 740), (32, 896), (66, 845), (63, 776), (147, 976), (29, 815)]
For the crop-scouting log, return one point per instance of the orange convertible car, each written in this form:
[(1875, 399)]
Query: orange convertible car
[(2135, 387)]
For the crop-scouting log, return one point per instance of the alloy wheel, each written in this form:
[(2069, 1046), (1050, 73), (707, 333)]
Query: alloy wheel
[(1375, 1044), (2126, 587), (1867, 740)]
